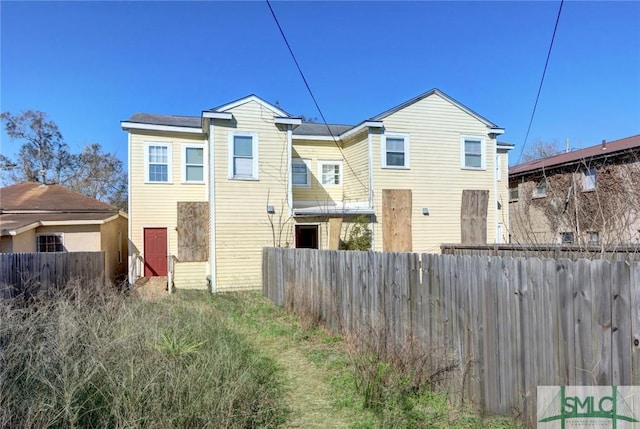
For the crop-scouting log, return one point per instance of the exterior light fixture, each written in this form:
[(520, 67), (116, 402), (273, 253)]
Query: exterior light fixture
[(271, 209)]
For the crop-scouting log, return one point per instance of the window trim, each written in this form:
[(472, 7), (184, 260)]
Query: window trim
[(566, 234), (483, 152), (47, 234), (254, 154), (511, 190), (590, 236), (407, 150), (306, 163), (586, 173), (535, 189), (320, 175), (183, 162), (169, 146)]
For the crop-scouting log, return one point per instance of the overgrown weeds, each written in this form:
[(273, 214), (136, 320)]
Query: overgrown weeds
[(91, 357)]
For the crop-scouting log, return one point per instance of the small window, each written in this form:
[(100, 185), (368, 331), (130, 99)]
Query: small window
[(472, 151), (158, 162), (541, 189), (50, 243), (590, 177), (593, 237), (513, 193), (567, 237), (193, 159), (243, 156), (331, 173), (395, 151), (300, 173), (498, 168)]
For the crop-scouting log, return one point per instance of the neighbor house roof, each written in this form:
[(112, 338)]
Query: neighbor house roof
[(604, 150), (313, 129), (29, 205), (169, 120)]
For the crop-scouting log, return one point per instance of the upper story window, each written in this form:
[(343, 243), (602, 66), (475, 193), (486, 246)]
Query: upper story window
[(330, 173), (567, 237), (498, 168), (157, 159), (472, 153), (193, 160), (300, 174), (513, 192), (243, 156), (590, 178), (395, 150), (49, 243), (541, 189)]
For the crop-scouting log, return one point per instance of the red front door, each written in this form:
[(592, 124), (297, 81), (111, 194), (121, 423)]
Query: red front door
[(155, 252)]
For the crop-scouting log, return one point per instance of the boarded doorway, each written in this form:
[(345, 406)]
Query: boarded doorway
[(396, 220), (155, 252), (473, 217), (307, 236)]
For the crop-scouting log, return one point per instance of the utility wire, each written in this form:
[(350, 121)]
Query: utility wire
[(304, 79), (544, 72)]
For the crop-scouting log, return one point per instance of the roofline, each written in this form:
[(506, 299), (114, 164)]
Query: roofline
[(248, 98), (360, 127), (126, 125), (216, 115), (441, 94), (288, 121), (39, 223), (314, 137)]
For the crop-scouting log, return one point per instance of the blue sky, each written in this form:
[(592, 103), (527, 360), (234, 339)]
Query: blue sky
[(89, 65)]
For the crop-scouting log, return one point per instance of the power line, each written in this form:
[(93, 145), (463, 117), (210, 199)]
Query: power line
[(544, 72), (304, 79)]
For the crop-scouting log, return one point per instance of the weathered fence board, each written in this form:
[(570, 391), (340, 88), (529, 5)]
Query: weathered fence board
[(30, 272)]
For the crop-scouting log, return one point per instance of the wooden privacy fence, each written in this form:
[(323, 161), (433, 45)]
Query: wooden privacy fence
[(512, 323), (555, 251), (28, 271)]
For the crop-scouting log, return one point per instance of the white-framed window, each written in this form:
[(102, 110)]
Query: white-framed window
[(50, 242), (192, 163), (395, 150), (541, 189), (513, 192), (157, 161), (593, 237), (243, 156), (590, 176), (567, 237), (330, 173), (300, 173), (472, 152)]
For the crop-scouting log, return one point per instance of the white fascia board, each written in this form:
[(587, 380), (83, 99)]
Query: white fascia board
[(217, 115), (288, 121), (321, 138), (21, 229), (152, 127), (362, 126), (255, 98), (496, 130), (75, 222)]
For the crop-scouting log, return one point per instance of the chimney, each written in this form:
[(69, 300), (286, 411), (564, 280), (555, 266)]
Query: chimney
[(604, 144), (566, 146)]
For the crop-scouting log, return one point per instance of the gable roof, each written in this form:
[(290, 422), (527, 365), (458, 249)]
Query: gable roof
[(434, 91), (614, 148), (249, 98), (30, 196)]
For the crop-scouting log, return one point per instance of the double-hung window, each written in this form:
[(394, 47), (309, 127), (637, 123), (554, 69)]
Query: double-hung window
[(541, 189), (590, 179), (472, 153), (300, 173), (193, 160), (330, 173), (395, 150), (243, 156), (158, 162), (49, 243)]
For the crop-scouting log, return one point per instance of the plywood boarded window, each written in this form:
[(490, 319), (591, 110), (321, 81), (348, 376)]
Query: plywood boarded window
[(396, 220), (193, 231)]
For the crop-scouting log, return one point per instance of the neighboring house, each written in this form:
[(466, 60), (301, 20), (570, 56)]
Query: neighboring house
[(51, 218), (589, 196), (212, 190)]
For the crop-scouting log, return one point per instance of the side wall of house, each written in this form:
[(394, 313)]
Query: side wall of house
[(502, 172), (356, 171), (435, 175), (113, 243), (242, 224), (75, 238), (25, 242), (155, 204), (313, 152)]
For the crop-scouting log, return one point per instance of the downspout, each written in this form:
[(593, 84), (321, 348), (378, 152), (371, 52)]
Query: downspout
[(495, 188), (212, 207), (130, 258), (370, 165), (289, 180)]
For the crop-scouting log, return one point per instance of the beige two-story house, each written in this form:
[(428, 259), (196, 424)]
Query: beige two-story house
[(207, 193)]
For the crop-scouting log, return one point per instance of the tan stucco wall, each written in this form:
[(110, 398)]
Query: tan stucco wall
[(6, 244), (114, 242), (76, 238), (25, 242)]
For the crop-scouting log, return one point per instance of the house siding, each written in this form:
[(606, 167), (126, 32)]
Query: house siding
[(356, 171), (435, 176), (155, 204), (242, 226), (314, 152), (110, 234)]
